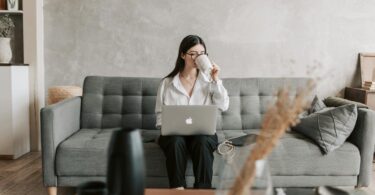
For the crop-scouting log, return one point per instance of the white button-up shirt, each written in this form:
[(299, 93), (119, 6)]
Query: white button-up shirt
[(205, 92)]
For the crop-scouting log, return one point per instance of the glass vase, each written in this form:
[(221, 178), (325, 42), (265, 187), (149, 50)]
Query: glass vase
[(231, 166)]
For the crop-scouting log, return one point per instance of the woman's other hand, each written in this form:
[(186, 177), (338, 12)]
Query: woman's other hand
[(215, 72)]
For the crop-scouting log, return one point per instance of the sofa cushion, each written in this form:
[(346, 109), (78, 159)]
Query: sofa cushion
[(85, 154), (294, 155), (297, 155)]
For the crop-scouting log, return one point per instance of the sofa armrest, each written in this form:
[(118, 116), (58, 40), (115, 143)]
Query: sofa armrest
[(363, 138), (337, 101), (58, 122)]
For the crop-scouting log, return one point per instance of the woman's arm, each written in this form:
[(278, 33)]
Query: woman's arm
[(220, 95)]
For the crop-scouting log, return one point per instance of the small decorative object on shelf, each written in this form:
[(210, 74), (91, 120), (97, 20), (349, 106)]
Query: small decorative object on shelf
[(6, 31), (12, 5), (59, 93)]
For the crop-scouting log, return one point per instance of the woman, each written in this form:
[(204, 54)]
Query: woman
[(186, 85)]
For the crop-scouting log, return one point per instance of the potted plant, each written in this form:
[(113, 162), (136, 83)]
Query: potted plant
[(6, 31)]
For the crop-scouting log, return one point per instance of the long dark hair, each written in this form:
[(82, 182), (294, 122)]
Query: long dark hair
[(186, 43)]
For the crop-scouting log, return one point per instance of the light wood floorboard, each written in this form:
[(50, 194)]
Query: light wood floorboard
[(24, 176)]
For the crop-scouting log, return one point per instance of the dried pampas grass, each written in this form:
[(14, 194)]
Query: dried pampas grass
[(279, 117)]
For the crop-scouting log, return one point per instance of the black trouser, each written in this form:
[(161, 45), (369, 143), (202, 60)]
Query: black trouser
[(200, 148)]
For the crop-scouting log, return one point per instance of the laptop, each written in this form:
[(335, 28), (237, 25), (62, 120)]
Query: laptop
[(189, 120)]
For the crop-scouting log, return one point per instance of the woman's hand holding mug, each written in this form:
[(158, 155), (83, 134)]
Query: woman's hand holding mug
[(204, 64), (215, 72)]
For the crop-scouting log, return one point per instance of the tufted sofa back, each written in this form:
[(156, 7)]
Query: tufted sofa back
[(249, 99), (109, 102), (127, 102)]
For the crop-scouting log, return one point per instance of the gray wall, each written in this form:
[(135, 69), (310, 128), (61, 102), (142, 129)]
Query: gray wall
[(247, 38)]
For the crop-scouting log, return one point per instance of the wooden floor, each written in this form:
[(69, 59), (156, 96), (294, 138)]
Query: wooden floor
[(24, 176)]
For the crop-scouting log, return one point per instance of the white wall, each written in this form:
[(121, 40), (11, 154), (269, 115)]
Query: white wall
[(247, 38)]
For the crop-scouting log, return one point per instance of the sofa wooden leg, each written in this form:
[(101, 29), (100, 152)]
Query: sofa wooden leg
[(52, 190)]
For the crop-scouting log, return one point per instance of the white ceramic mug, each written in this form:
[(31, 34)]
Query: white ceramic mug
[(204, 63)]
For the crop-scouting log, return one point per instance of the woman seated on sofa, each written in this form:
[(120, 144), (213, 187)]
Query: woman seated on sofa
[(178, 88)]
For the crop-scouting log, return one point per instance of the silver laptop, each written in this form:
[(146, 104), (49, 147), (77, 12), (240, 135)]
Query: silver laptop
[(189, 120)]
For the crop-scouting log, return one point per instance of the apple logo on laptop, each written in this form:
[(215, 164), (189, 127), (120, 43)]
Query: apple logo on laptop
[(189, 121)]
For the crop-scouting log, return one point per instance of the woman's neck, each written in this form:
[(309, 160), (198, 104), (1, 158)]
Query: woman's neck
[(189, 73)]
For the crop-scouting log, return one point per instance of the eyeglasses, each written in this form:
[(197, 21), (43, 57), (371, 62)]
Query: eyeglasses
[(194, 55)]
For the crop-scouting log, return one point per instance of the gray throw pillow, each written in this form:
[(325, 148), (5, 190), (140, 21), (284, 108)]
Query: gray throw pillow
[(316, 105), (329, 127)]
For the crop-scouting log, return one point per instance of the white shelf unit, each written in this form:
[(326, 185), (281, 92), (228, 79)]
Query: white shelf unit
[(14, 112)]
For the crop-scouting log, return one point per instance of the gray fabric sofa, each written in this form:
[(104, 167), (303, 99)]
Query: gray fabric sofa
[(76, 133)]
